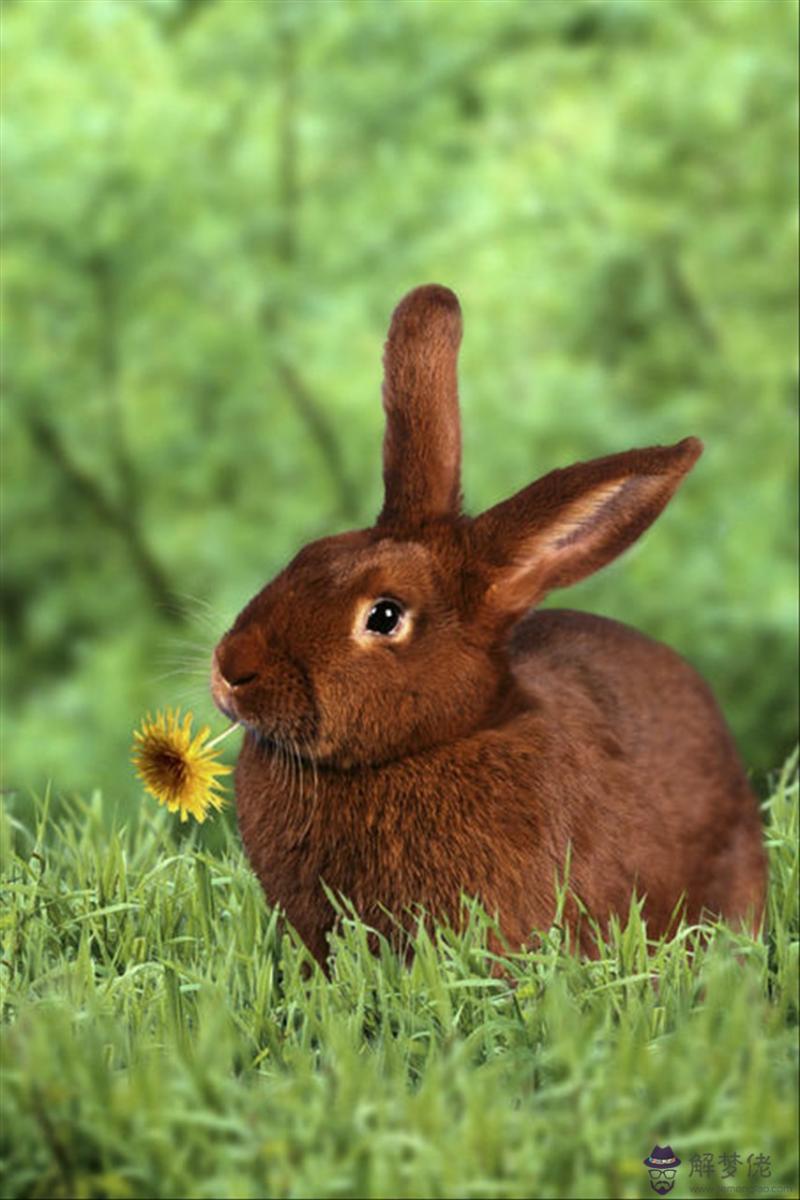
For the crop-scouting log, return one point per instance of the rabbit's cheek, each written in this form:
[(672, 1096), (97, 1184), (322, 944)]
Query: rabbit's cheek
[(281, 704), (351, 714)]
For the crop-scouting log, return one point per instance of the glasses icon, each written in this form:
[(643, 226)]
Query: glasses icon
[(666, 1173)]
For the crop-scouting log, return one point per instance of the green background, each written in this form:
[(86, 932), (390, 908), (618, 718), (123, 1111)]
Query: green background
[(210, 209)]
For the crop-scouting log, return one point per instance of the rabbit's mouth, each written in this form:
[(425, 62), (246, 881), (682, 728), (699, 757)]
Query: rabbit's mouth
[(275, 718), (270, 739), (222, 692)]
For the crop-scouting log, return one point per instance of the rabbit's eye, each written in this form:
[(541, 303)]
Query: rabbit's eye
[(386, 617)]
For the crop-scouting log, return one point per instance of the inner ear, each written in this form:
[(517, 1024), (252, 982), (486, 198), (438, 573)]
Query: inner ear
[(572, 522), (587, 516), (545, 560)]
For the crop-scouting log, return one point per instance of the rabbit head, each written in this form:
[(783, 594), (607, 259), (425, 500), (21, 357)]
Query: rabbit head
[(379, 643)]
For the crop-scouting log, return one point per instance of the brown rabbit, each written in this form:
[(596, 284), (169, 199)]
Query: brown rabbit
[(414, 732)]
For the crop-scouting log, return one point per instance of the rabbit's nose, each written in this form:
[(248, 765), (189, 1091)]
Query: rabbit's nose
[(236, 664), (243, 679)]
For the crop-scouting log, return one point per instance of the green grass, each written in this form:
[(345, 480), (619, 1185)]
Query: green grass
[(161, 1038)]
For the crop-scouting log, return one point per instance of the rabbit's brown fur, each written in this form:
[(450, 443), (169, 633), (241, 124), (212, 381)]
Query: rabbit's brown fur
[(466, 751)]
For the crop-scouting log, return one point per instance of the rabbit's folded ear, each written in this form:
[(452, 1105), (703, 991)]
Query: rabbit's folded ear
[(573, 521), (422, 443)]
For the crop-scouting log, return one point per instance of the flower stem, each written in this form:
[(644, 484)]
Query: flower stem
[(221, 736)]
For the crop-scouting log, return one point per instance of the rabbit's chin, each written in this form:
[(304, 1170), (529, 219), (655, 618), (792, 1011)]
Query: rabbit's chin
[(266, 743), (325, 753), (276, 735)]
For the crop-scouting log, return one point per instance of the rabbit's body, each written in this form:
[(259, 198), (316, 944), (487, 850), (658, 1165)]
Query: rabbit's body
[(415, 734), (493, 814)]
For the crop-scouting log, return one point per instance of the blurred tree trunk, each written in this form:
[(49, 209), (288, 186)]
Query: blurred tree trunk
[(118, 508), (307, 406)]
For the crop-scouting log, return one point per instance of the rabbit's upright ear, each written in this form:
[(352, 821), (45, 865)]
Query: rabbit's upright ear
[(573, 521), (422, 443)]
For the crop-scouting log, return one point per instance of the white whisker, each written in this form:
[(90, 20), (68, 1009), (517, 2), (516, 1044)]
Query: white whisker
[(176, 672), (314, 786), (199, 609), (295, 782)]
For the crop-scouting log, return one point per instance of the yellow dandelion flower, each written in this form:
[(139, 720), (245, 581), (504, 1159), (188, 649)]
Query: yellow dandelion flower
[(180, 771)]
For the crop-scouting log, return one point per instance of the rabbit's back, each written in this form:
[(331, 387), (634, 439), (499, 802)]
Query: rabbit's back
[(631, 715)]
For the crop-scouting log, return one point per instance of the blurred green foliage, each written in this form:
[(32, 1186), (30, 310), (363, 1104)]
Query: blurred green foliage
[(210, 209)]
